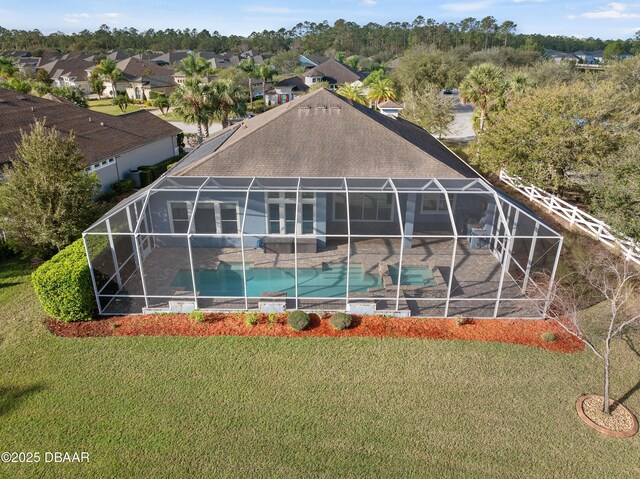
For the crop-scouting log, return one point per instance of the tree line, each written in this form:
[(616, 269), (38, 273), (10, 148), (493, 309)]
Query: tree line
[(373, 39)]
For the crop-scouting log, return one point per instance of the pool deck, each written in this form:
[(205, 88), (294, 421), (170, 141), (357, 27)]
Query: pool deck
[(477, 275)]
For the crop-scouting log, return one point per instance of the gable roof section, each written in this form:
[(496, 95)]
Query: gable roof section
[(335, 72), (135, 68), (99, 136), (325, 135), (75, 67)]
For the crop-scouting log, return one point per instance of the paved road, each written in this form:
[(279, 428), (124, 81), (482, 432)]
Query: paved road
[(461, 128)]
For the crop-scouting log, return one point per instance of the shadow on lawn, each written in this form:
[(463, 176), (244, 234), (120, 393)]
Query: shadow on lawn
[(12, 396)]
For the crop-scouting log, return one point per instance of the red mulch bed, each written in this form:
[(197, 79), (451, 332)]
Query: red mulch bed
[(512, 331)]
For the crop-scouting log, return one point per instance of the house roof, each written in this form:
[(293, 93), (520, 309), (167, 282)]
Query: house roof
[(136, 68), (296, 83), (389, 104), (335, 72), (325, 135), (117, 55), (315, 59), (71, 67), (171, 57), (99, 136)]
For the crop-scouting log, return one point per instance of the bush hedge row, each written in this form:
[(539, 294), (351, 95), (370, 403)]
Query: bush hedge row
[(63, 285)]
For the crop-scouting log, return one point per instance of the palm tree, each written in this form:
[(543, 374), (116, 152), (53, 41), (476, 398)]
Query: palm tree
[(482, 87), (352, 92), (96, 82), (265, 71), (380, 91), (188, 101), (248, 67), (109, 69), (222, 99), (193, 66)]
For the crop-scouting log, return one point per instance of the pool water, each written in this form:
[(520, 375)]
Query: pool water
[(413, 276), (330, 281)]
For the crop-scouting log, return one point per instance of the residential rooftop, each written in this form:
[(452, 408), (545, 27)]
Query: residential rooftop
[(98, 135)]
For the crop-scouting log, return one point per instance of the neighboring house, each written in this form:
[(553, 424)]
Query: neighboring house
[(171, 58), (390, 108), (331, 71), (141, 78), (71, 72), (559, 57), (321, 205), (308, 60), (116, 55), (590, 58), (112, 145)]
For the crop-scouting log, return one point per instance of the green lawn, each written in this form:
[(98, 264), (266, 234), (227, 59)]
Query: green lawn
[(106, 106), (286, 408)]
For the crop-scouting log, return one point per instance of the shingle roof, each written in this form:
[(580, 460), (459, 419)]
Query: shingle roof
[(325, 135), (75, 67), (135, 68), (99, 136), (317, 59), (335, 72)]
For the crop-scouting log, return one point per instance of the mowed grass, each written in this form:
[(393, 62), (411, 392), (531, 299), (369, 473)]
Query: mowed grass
[(286, 408), (106, 106)]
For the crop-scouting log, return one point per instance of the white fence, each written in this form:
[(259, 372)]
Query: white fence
[(576, 217)]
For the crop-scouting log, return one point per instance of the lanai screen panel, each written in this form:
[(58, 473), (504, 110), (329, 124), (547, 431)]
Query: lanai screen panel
[(428, 247)]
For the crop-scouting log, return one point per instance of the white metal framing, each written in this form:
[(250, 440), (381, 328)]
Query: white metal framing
[(475, 186)]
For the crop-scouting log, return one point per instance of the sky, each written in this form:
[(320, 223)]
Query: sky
[(604, 19)]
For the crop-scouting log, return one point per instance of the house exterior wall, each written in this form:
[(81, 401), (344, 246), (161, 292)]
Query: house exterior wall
[(149, 154)]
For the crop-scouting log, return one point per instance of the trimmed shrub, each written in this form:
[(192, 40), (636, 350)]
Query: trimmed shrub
[(197, 316), (340, 321), (548, 337), (123, 186), (146, 177), (251, 318), (298, 320), (63, 285)]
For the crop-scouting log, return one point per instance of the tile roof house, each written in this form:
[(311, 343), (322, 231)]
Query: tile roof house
[(112, 145), (559, 56), (321, 205)]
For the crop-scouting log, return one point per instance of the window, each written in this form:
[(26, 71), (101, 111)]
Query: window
[(100, 164), (435, 203), (281, 212), (210, 217), (364, 207)]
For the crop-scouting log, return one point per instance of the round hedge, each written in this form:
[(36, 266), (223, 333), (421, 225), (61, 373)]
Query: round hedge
[(340, 321), (63, 285), (298, 320)]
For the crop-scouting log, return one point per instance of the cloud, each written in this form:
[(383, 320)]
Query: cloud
[(467, 6), (270, 10), (613, 11), (529, 1), (77, 17), (368, 3)]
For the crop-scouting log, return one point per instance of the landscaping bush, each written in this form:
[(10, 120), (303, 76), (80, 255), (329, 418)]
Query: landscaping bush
[(63, 285), (251, 318), (298, 320), (548, 337), (197, 315), (146, 177), (340, 321), (123, 186)]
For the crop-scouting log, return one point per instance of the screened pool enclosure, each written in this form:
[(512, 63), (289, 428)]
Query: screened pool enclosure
[(421, 247)]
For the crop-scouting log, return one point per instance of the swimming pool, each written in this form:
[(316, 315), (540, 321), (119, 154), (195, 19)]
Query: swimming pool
[(330, 281), (413, 275)]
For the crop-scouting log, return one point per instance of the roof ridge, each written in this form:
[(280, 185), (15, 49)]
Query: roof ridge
[(285, 110)]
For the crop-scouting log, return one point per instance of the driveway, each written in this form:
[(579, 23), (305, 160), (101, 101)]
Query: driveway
[(188, 127), (461, 128)]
